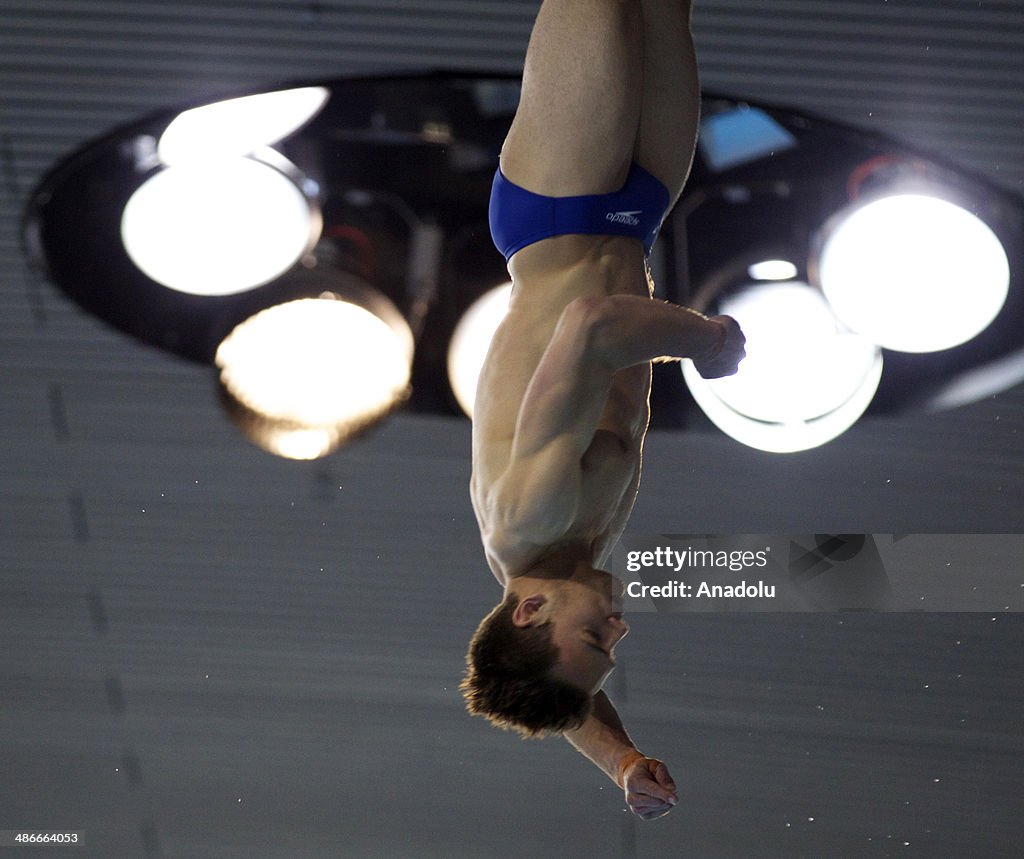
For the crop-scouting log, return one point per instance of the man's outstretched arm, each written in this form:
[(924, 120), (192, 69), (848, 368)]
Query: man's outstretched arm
[(649, 789), (595, 338), (632, 329)]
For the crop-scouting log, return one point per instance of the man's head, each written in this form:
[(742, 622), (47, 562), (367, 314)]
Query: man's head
[(537, 659)]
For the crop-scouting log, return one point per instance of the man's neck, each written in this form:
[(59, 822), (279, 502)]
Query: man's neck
[(562, 563)]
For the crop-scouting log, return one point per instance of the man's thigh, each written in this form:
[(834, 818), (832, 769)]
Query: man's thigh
[(576, 126), (670, 110)]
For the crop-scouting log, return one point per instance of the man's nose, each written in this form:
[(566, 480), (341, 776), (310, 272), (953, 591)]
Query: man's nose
[(619, 626)]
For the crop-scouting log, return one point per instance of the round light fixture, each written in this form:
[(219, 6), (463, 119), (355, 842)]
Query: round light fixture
[(805, 379), (238, 126), (471, 340), (772, 269), (218, 227), (914, 273), (319, 369)]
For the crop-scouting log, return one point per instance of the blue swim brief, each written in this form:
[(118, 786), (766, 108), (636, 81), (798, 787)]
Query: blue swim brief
[(519, 217)]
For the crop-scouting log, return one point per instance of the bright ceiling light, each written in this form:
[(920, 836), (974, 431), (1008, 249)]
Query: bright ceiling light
[(219, 227), (304, 444), (288, 442), (772, 269), (238, 126), (471, 340), (914, 273), (321, 368), (804, 381)]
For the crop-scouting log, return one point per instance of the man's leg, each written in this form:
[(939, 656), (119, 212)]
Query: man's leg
[(670, 109), (576, 127)]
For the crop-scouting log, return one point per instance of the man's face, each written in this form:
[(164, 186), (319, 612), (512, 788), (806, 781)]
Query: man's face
[(588, 624)]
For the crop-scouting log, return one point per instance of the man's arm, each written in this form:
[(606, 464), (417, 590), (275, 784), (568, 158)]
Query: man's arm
[(649, 789), (594, 339)]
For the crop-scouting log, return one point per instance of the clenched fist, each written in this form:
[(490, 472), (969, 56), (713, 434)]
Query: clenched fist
[(650, 791), (724, 358)]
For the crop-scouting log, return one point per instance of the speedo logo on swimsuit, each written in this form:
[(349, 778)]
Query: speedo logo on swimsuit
[(628, 218)]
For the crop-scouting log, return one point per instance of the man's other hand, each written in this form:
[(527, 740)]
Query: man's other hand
[(650, 791), (724, 358)]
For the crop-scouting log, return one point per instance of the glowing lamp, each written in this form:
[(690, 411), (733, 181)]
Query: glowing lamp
[(913, 273), (316, 371), (805, 379), (218, 227), (471, 340), (772, 269), (238, 126)]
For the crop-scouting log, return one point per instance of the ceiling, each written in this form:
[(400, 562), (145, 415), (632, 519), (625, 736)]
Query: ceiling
[(207, 651)]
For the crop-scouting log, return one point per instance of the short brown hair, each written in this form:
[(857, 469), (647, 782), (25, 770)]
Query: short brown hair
[(508, 678)]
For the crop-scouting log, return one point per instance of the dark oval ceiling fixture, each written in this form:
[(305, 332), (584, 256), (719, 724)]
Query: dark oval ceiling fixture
[(337, 198)]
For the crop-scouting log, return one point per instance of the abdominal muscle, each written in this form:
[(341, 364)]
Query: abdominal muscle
[(549, 275)]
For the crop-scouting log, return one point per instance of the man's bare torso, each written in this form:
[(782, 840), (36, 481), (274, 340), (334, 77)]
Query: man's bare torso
[(548, 276)]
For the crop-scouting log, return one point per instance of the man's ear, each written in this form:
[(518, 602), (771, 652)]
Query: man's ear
[(531, 611)]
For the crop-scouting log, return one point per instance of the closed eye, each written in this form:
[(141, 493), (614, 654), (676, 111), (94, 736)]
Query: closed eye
[(593, 645)]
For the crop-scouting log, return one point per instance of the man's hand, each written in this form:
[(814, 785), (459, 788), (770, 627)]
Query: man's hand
[(724, 358), (650, 791)]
